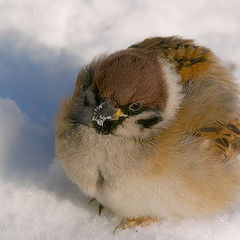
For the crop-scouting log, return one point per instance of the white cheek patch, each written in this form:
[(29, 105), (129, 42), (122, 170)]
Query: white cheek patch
[(175, 95), (131, 128)]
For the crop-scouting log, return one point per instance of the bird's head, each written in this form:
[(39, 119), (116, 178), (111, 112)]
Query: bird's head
[(130, 93)]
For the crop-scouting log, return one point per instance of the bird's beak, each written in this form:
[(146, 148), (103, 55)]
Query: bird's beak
[(118, 114), (106, 111)]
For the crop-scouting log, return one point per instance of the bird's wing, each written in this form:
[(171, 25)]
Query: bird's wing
[(223, 138), (188, 58)]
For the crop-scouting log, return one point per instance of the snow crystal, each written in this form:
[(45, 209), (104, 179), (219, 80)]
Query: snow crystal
[(99, 118)]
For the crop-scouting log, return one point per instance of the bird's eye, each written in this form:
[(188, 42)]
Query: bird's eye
[(134, 107)]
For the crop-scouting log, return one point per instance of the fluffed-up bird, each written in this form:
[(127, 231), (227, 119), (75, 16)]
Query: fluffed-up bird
[(152, 132)]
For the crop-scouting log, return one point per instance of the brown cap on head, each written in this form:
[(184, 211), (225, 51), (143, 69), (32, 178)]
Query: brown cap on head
[(132, 75)]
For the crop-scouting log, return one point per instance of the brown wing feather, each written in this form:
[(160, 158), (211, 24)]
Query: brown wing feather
[(189, 59), (223, 138)]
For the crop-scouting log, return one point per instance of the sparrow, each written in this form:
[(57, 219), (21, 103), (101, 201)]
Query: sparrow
[(152, 132)]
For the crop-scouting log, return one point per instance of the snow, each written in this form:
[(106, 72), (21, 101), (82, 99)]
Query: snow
[(98, 117), (43, 44)]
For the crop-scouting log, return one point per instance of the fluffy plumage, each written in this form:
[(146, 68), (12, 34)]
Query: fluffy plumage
[(153, 131)]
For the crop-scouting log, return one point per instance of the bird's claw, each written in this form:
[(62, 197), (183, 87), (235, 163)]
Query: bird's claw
[(93, 199), (100, 207), (130, 223)]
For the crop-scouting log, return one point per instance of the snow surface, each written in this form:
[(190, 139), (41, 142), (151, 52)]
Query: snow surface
[(43, 44)]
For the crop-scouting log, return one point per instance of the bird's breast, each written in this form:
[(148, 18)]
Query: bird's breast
[(101, 160)]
